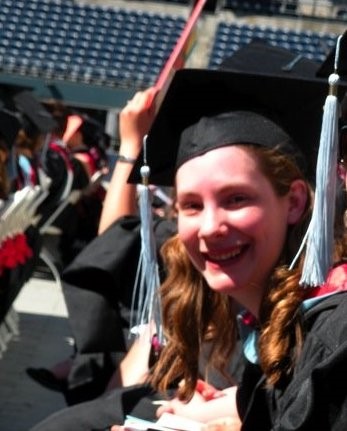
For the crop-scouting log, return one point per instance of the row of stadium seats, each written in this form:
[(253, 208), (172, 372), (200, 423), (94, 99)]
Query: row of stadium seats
[(85, 42), (333, 9), (230, 37), (116, 47)]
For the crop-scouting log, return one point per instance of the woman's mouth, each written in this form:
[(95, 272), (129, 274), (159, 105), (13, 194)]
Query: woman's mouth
[(223, 256)]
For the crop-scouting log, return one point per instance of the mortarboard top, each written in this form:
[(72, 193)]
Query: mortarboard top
[(9, 126), (259, 56), (8, 108), (36, 118), (8, 91), (92, 131), (292, 99), (59, 112)]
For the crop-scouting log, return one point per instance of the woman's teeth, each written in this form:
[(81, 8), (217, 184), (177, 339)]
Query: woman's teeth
[(226, 256)]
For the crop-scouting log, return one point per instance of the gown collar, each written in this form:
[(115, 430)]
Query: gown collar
[(248, 327)]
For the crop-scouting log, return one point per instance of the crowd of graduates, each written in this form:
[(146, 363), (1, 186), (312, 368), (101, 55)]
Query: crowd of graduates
[(52, 160)]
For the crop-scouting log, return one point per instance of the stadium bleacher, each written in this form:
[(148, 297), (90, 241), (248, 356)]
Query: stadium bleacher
[(230, 37), (88, 43), (119, 47)]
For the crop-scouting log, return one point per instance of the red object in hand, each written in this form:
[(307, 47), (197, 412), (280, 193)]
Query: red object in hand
[(209, 392)]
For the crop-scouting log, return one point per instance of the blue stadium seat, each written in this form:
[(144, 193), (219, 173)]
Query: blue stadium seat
[(229, 37)]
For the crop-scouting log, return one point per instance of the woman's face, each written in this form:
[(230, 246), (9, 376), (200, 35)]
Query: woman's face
[(232, 223)]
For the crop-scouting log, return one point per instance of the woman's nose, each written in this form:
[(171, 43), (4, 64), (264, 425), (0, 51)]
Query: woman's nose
[(213, 223)]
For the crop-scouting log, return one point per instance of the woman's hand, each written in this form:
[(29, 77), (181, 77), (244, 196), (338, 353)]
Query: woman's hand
[(177, 407), (135, 121), (208, 391), (224, 424), (207, 404)]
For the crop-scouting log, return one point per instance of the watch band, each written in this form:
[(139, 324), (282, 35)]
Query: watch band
[(125, 159)]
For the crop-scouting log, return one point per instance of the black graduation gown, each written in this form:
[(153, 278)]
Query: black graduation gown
[(316, 397), (100, 414), (79, 221), (98, 285), (98, 290), (56, 167), (112, 408)]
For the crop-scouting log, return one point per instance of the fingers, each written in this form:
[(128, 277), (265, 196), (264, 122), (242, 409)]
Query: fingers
[(167, 408), (209, 392), (224, 424), (142, 100), (136, 118), (150, 102)]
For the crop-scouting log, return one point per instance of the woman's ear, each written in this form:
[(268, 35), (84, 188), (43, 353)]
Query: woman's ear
[(298, 195)]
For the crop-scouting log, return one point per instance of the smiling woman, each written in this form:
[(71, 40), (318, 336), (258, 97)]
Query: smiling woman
[(239, 149), (235, 235), (231, 221)]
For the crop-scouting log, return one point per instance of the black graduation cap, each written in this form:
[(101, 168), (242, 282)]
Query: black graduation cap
[(8, 91), (9, 126), (291, 99), (261, 57), (92, 131), (59, 112), (36, 118)]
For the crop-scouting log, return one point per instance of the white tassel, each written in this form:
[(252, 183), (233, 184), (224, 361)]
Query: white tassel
[(147, 277), (320, 234), (319, 238)]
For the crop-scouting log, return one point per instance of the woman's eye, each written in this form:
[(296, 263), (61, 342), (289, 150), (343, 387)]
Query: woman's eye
[(236, 200), (189, 207)]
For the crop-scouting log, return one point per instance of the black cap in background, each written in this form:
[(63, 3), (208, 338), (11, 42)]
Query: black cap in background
[(36, 118), (92, 131), (261, 57), (9, 126)]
